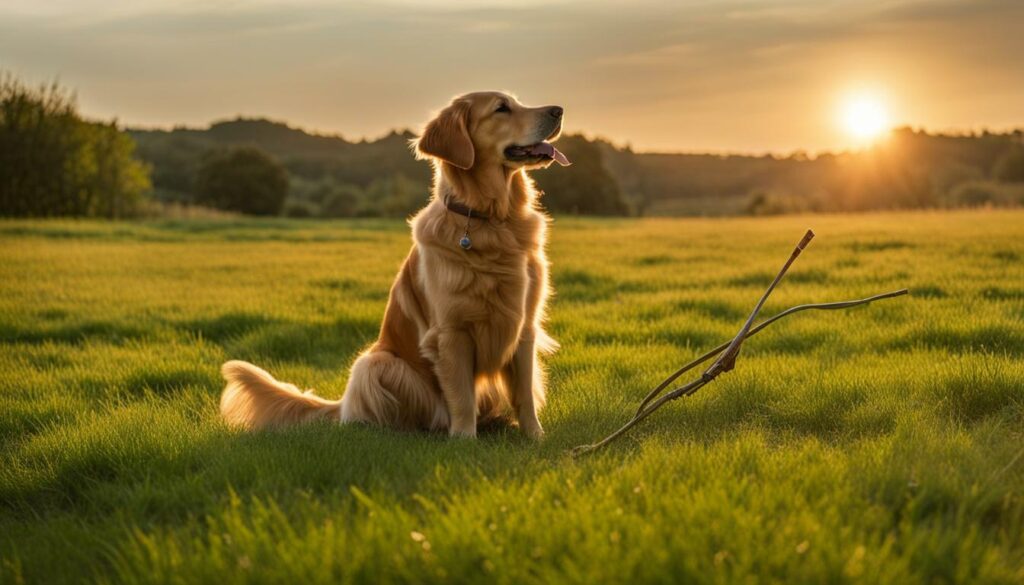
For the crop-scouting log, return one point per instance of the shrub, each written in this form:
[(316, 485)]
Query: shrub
[(587, 187), (1010, 167), (973, 195), (52, 162), (341, 201), (243, 179), (762, 203), (300, 209)]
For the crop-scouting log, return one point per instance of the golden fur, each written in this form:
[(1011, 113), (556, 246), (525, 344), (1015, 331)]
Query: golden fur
[(459, 343)]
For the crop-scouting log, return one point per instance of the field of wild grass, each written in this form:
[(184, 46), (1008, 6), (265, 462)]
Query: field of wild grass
[(878, 445)]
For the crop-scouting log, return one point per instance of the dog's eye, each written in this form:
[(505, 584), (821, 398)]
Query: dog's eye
[(503, 108)]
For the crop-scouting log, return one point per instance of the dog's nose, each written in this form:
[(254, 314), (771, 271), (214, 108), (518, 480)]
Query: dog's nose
[(556, 112)]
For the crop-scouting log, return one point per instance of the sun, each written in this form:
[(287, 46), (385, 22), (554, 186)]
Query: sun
[(864, 117)]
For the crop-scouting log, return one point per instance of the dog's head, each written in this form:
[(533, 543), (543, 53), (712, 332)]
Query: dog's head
[(493, 128)]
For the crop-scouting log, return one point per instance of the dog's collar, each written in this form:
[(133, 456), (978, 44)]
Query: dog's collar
[(466, 211)]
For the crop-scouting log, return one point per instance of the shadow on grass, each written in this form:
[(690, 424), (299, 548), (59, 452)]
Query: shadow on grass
[(242, 335), (263, 339), (586, 287), (74, 333), (222, 328), (656, 260), (318, 344), (761, 279), (1007, 256), (715, 309), (997, 338), (164, 382), (349, 287), (1002, 294), (207, 460), (928, 291), (878, 245)]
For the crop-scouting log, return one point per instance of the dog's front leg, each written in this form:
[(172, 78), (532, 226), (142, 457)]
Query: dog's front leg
[(455, 372), (521, 377)]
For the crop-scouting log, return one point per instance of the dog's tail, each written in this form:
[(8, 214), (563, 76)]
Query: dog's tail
[(255, 400)]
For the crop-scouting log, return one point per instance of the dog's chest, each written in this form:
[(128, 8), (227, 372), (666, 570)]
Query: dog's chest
[(502, 292), (498, 323)]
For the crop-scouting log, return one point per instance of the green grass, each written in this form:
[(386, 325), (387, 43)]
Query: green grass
[(880, 445)]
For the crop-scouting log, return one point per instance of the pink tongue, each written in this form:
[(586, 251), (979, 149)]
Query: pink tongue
[(546, 149)]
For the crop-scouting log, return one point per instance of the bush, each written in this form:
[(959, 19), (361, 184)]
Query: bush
[(327, 197), (972, 195), (762, 203), (243, 179), (300, 209), (1010, 167), (947, 178), (394, 196), (52, 162), (587, 187), (341, 201)]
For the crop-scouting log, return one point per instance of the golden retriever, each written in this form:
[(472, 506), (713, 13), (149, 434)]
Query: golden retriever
[(464, 322)]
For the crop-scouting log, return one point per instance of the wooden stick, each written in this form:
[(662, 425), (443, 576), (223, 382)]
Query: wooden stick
[(808, 307), (727, 360), (727, 352)]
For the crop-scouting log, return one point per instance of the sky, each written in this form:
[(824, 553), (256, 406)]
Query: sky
[(749, 76)]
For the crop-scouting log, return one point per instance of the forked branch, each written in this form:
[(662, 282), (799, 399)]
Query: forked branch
[(727, 352)]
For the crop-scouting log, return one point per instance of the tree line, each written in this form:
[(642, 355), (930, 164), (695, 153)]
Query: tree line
[(332, 177), (329, 176), (53, 162)]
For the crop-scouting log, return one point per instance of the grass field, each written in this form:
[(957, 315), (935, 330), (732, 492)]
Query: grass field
[(880, 445)]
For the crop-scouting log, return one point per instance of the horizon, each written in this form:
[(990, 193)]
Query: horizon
[(590, 136), (735, 77)]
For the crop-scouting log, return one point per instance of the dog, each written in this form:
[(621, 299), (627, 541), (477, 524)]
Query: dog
[(460, 341)]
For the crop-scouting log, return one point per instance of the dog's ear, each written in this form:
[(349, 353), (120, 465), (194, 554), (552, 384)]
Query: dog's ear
[(447, 137)]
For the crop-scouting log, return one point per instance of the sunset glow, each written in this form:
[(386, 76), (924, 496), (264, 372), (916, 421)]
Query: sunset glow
[(740, 77), (865, 117)]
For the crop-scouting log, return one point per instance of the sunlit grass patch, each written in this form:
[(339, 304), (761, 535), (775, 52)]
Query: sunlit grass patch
[(881, 444)]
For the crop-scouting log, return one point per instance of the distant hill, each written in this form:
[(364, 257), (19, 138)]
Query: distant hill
[(910, 169), (174, 154), (336, 177)]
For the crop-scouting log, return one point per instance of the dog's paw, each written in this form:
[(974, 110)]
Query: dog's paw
[(533, 431), (462, 433)]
